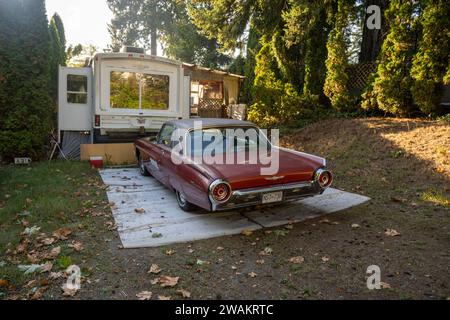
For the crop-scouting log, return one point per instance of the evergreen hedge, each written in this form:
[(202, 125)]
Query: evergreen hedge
[(25, 102)]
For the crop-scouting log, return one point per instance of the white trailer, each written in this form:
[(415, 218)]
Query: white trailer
[(120, 95)]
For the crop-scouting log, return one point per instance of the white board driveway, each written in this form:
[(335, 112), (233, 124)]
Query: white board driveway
[(163, 222)]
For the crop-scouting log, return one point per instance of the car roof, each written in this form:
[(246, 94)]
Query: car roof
[(209, 122)]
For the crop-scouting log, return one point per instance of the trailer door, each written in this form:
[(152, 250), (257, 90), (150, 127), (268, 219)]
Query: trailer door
[(75, 99)]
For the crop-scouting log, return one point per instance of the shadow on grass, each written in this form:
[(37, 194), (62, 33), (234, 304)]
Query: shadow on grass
[(402, 158)]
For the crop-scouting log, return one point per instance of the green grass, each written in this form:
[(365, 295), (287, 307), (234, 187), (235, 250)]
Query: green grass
[(436, 197), (48, 196), (51, 192)]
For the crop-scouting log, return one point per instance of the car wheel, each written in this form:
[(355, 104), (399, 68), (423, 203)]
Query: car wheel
[(183, 203), (142, 169)]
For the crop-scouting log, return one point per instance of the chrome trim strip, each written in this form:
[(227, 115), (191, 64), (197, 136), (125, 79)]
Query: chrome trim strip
[(274, 178), (246, 192), (232, 205)]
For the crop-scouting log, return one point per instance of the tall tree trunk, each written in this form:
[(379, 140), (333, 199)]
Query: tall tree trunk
[(154, 45), (373, 39), (153, 31)]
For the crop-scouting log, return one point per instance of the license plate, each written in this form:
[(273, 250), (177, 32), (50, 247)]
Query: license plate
[(272, 197)]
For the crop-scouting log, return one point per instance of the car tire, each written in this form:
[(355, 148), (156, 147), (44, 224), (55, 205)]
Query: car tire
[(142, 169), (183, 203)]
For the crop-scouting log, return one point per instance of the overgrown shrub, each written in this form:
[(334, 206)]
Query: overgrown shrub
[(431, 60), (276, 102), (336, 81), (447, 75), (25, 103), (392, 86)]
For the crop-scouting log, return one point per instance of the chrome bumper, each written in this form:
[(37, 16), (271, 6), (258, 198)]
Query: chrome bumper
[(253, 197)]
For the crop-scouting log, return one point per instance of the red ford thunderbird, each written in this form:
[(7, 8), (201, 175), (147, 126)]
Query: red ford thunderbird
[(234, 175)]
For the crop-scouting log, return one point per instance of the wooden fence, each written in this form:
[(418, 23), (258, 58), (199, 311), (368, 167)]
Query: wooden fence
[(359, 75), (211, 108)]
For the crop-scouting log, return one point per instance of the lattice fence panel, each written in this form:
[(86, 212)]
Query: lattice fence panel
[(210, 108), (359, 75)]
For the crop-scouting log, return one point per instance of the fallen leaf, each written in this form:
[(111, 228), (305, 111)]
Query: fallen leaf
[(25, 213), (170, 252), (391, 232), (356, 226), (220, 248), (34, 257), (266, 252), (53, 254), (47, 241), (297, 260), (139, 210), (397, 199), (38, 293), (164, 297), (144, 295), (385, 285), (28, 269), (4, 283), (201, 262), (44, 282), (281, 233), (261, 261), (69, 292), (167, 281), (62, 234), (252, 275), (55, 275), (247, 233), (184, 293), (47, 267), (31, 231), (155, 269), (325, 259), (76, 245), (21, 247), (30, 284), (111, 226)]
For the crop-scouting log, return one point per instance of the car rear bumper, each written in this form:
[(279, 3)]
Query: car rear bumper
[(254, 196)]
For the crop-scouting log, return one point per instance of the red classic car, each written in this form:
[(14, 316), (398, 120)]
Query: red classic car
[(235, 179)]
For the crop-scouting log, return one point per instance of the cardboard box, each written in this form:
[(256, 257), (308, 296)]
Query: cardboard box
[(113, 154)]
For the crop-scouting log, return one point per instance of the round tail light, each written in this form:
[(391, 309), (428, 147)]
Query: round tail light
[(324, 178), (220, 191)]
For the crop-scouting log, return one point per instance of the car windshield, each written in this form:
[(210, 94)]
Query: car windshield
[(225, 140)]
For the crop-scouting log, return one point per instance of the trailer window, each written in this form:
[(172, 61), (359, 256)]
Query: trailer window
[(155, 92), (77, 89), (124, 90)]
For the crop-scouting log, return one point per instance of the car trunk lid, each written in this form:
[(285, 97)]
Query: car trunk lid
[(293, 167)]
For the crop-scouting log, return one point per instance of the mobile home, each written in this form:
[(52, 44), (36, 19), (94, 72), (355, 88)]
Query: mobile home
[(119, 96)]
